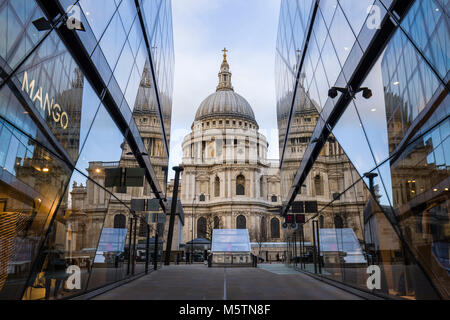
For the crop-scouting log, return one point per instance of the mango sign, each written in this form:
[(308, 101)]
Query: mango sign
[(55, 111)]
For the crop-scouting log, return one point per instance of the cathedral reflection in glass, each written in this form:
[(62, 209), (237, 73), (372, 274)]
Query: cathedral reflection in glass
[(84, 130), (377, 164)]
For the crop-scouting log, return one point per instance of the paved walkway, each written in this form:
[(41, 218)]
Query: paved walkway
[(198, 282)]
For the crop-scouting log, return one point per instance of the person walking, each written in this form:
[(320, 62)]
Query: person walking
[(55, 270)]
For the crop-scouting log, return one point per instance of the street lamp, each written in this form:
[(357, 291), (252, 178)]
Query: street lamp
[(333, 92), (192, 241)]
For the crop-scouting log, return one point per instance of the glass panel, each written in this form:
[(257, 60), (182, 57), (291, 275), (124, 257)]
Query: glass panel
[(351, 136), (342, 35), (18, 36), (408, 90), (98, 15), (428, 24), (32, 181), (113, 40), (54, 85), (356, 12)]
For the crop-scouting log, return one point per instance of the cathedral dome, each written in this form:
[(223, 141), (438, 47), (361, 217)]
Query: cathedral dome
[(225, 102), (303, 103)]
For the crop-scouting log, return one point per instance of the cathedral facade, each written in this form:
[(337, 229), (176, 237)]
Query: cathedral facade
[(228, 182)]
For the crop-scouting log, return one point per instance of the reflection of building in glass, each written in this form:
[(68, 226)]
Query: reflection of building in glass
[(331, 171), (228, 182), (393, 146), (66, 116), (94, 201)]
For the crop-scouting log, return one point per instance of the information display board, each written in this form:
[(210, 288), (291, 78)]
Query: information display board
[(230, 240), (111, 240)]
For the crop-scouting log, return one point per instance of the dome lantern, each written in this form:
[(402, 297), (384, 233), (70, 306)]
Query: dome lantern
[(224, 74)]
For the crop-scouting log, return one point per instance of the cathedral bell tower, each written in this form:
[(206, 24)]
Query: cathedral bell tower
[(224, 74)]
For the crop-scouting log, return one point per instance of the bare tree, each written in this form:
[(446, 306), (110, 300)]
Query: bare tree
[(260, 233), (211, 224)]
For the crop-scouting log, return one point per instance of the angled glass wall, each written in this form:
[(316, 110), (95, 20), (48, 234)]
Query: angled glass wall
[(385, 204), (77, 119)]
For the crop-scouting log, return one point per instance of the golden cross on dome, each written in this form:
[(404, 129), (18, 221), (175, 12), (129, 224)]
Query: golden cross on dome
[(224, 52)]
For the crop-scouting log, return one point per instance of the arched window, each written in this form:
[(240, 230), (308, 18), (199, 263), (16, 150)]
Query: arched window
[(216, 222), (241, 222), (201, 227), (274, 198), (240, 185), (261, 187), (318, 185), (275, 228), (263, 228), (202, 198), (338, 222), (321, 222), (217, 187), (120, 221)]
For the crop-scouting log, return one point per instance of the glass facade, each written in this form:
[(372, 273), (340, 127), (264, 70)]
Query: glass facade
[(376, 164), (84, 135)]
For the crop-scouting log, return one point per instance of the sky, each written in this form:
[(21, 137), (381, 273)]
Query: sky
[(202, 28)]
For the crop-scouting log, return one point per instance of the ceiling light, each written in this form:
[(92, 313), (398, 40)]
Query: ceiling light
[(373, 110), (435, 189), (42, 24), (45, 169), (396, 83)]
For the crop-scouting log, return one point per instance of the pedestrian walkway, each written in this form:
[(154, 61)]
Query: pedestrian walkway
[(198, 282), (278, 268)]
